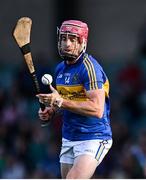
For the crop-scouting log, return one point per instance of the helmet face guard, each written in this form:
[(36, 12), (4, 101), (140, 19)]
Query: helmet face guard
[(74, 28)]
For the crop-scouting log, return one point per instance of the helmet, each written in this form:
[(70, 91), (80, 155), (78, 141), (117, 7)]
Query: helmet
[(77, 28)]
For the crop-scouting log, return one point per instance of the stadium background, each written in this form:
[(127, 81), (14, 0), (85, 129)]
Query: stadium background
[(118, 38)]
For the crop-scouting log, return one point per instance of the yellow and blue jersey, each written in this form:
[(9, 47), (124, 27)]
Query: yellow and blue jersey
[(72, 81)]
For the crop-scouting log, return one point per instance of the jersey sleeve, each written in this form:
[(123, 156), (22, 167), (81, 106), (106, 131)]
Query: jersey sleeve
[(93, 76)]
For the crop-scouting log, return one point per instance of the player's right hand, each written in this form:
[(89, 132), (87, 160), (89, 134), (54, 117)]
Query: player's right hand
[(46, 114)]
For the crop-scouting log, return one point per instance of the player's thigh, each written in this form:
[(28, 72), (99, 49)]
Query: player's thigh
[(65, 168), (89, 154), (83, 168)]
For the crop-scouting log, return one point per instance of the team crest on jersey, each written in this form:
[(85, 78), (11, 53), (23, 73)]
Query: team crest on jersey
[(75, 78)]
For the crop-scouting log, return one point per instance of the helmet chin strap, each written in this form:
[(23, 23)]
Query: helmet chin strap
[(69, 57)]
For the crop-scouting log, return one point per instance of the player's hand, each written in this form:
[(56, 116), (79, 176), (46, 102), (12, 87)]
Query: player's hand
[(46, 114), (52, 99)]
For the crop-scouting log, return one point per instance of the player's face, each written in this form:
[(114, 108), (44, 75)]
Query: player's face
[(70, 45)]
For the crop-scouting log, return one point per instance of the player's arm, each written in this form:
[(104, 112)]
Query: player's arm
[(94, 106)]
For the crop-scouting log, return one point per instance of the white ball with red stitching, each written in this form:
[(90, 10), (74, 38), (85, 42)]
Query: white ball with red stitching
[(47, 79)]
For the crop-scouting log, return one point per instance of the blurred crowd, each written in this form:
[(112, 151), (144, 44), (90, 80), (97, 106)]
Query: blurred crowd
[(29, 151)]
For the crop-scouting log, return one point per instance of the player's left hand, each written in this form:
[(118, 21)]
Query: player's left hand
[(52, 99)]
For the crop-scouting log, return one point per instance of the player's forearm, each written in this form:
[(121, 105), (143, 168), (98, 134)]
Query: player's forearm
[(88, 108)]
